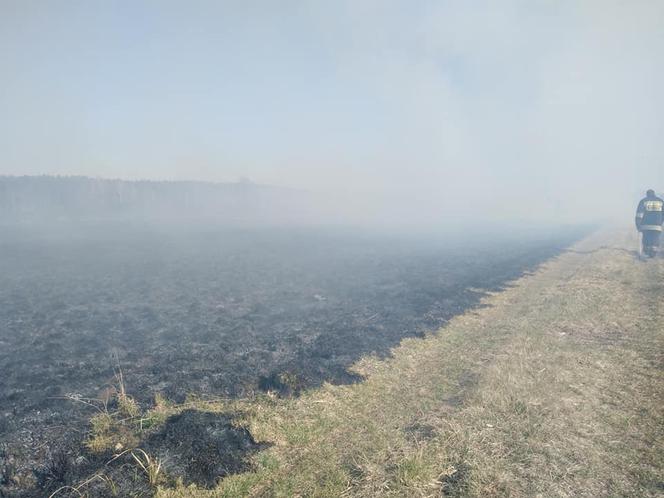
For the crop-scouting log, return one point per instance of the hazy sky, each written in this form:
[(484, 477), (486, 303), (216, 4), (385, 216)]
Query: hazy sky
[(539, 108)]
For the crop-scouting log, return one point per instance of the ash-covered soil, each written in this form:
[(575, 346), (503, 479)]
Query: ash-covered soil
[(215, 312)]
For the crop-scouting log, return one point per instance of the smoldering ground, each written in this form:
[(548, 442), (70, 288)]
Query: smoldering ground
[(216, 313)]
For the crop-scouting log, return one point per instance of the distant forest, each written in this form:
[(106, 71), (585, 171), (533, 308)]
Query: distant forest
[(49, 198)]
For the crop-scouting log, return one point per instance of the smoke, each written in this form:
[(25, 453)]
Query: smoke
[(536, 109), (398, 111)]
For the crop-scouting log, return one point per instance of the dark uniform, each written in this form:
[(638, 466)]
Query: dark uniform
[(649, 221)]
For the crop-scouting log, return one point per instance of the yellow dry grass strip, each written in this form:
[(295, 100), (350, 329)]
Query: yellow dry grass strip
[(555, 389)]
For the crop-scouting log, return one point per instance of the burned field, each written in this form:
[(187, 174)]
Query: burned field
[(212, 313)]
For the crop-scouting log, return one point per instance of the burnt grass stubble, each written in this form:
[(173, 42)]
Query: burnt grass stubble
[(212, 312)]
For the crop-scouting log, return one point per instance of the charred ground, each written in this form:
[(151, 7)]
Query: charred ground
[(215, 312)]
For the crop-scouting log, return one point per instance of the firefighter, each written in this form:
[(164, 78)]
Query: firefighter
[(649, 221)]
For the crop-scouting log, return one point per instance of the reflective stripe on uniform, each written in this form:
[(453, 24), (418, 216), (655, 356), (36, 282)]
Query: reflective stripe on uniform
[(651, 228)]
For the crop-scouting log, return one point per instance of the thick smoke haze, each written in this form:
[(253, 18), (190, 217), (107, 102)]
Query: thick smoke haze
[(516, 110)]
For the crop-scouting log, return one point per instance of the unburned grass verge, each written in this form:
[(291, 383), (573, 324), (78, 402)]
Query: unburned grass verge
[(554, 389)]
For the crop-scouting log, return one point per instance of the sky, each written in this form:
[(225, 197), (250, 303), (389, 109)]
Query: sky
[(538, 109)]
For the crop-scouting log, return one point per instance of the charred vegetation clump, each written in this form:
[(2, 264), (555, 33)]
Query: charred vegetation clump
[(7, 469), (57, 471), (286, 383)]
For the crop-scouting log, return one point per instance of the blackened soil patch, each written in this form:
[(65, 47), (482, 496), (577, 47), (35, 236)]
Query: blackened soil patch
[(454, 483), (202, 447), (421, 432)]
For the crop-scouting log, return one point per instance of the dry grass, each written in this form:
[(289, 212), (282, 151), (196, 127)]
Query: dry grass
[(150, 465), (555, 389), (114, 429), (80, 489)]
